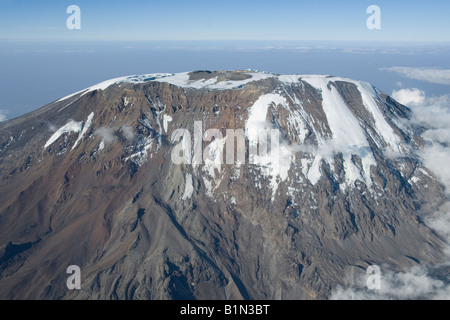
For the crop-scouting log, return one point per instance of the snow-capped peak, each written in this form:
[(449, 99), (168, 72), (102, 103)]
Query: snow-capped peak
[(343, 129)]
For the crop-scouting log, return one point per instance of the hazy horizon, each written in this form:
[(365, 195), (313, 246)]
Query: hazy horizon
[(49, 50), (47, 71)]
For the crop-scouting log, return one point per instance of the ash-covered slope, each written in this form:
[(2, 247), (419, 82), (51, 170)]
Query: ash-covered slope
[(115, 179)]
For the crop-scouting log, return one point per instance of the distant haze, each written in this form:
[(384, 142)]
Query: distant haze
[(36, 73)]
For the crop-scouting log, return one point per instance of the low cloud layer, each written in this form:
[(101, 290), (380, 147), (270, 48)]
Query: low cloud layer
[(415, 284), (437, 76), (3, 115), (434, 113)]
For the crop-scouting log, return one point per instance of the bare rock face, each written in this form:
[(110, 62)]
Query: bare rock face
[(90, 180)]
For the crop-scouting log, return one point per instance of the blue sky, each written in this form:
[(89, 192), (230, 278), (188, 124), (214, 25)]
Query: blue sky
[(225, 20)]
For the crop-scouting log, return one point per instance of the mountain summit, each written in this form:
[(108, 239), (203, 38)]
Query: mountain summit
[(212, 185)]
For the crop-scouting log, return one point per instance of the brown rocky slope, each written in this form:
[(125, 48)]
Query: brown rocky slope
[(104, 194)]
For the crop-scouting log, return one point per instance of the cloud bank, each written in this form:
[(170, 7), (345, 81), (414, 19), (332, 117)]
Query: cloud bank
[(434, 113), (437, 76), (415, 284)]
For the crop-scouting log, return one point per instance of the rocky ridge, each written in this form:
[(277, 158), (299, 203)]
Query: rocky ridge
[(88, 180)]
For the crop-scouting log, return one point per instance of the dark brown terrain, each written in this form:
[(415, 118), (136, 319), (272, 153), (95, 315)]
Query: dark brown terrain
[(124, 216)]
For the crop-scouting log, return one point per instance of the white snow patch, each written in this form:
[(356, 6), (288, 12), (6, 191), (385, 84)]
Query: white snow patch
[(126, 101), (70, 96), (297, 120), (141, 156), (276, 162), (102, 145), (289, 79), (214, 160), (312, 167), (178, 79), (384, 130), (72, 126), (127, 79), (85, 129), (182, 80), (166, 121), (189, 188), (348, 137), (208, 186)]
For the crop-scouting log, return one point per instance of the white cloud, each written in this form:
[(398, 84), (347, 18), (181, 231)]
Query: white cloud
[(3, 115), (127, 132), (438, 76), (409, 97), (440, 222), (51, 127), (438, 135), (436, 158), (106, 133), (417, 283), (434, 113)]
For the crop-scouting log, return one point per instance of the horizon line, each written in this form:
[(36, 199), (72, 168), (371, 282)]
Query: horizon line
[(229, 40)]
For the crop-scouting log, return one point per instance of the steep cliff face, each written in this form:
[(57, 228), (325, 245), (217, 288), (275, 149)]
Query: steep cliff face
[(129, 181)]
